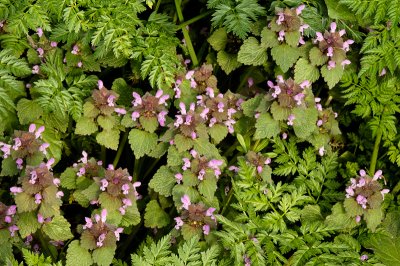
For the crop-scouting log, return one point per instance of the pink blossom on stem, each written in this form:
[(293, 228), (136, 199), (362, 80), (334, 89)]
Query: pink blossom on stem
[(17, 144), (178, 177), (53, 44), (39, 32), (120, 111), (320, 37), (321, 151), (377, 175), (13, 228), (161, 118), (38, 198), (331, 64), (186, 164), (346, 45), (7, 219), (35, 69), (358, 218), (110, 100), (345, 62), (206, 229), (11, 210), (185, 201), (291, 119), (137, 100), (100, 240), (40, 218), (362, 201), (19, 162), (179, 222), (59, 194), (333, 27), (383, 192), (75, 49), (40, 51), (104, 184), (39, 132), (281, 36), (49, 163), (118, 231), (88, 224), (125, 189), (299, 9), (362, 172), (43, 148), (15, 190), (135, 116)]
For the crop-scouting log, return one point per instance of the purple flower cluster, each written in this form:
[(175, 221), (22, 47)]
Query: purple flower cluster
[(287, 92), (196, 216), (257, 160), (332, 45), (98, 233), (288, 21), (150, 106), (25, 145), (7, 218), (200, 166), (366, 190), (105, 100)]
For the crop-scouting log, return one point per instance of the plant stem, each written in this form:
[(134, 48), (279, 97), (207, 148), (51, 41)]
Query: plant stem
[(151, 168), (228, 200), (46, 250), (103, 154), (185, 32), (330, 98), (193, 20), (120, 148), (136, 169), (374, 156), (157, 6)]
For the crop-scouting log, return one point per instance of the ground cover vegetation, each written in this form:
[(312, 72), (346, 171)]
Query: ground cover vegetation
[(219, 132)]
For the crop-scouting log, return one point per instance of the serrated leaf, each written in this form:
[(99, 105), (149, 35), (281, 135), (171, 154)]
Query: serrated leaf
[(189, 232), (285, 56), (279, 113), (77, 255), (207, 187), (28, 111), (85, 126), (131, 217), (266, 127), (303, 70), (150, 124), (339, 11), (386, 248), (173, 158), (163, 181), (109, 202), (218, 133), (305, 121), (89, 110), (183, 143), (25, 202), (252, 53), (103, 256), (292, 38), (58, 228), (68, 178), (8, 167), (142, 142), (204, 147), (106, 122), (109, 139), (155, 216), (317, 58), (27, 223), (228, 62), (268, 38), (352, 207), (373, 217), (218, 39), (333, 76)]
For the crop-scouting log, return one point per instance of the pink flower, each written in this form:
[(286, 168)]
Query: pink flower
[(15, 190), (186, 202), (333, 27), (39, 32), (11, 210), (383, 192), (39, 132), (17, 144), (125, 189), (291, 119), (7, 219), (362, 172), (364, 257), (135, 115), (281, 18), (118, 231), (127, 202), (299, 9), (346, 45), (59, 194), (40, 218), (100, 84), (179, 222), (35, 69), (38, 198), (281, 36), (43, 148), (40, 51), (53, 44), (75, 50), (120, 111), (345, 62), (161, 118), (330, 51), (104, 184), (49, 163), (13, 229), (331, 64), (298, 98), (88, 224), (186, 165), (377, 175), (110, 100), (210, 212), (284, 135), (349, 192), (362, 201), (320, 37), (321, 151), (383, 72), (56, 182), (178, 178), (101, 239), (250, 82), (201, 174), (19, 162), (358, 218), (80, 64), (206, 229)]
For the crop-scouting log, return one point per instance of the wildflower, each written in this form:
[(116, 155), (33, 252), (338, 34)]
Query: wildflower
[(290, 119), (15, 190), (39, 132), (59, 194), (88, 224), (118, 231), (40, 218), (206, 229), (179, 222), (19, 162), (35, 69), (13, 229), (178, 178), (43, 148), (100, 84), (39, 32), (104, 184), (120, 111), (110, 100), (38, 198), (377, 175), (358, 218), (80, 64), (364, 257), (75, 50), (362, 201), (185, 201), (101, 238), (40, 51), (321, 151), (383, 192), (53, 44), (186, 164)]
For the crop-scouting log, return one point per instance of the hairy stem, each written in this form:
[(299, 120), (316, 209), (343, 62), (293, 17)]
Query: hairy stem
[(193, 20), (185, 32), (374, 156), (120, 148)]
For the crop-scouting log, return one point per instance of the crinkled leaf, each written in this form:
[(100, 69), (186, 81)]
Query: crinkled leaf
[(150, 124), (103, 256), (58, 228), (218, 39), (28, 111), (332, 76), (207, 187), (155, 216), (85, 126), (27, 223), (285, 56), (266, 127), (305, 121), (68, 178), (268, 38), (108, 138), (8, 167), (183, 143), (218, 133), (317, 58), (227, 61), (77, 255), (303, 70), (252, 53), (142, 142), (163, 181)]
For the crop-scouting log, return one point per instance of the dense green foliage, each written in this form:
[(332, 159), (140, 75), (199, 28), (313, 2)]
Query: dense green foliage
[(219, 132)]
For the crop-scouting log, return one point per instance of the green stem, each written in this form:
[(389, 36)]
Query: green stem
[(45, 246), (136, 169), (157, 6), (120, 148), (185, 32), (228, 200), (374, 156), (330, 98), (103, 154), (151, 168), (193, 20)]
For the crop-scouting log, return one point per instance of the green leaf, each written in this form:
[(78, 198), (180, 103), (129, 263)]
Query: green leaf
[(317, 58), (173, 158), (285, 56), (85, 126), (279, 113), (5, 245), (386, 248), (218, 133), (106, 122), (204, 147), (25, 202), (155, 216), (27, 223), (352, 207), (227, 61), (131, 217), (373, 217), (150, 124), (268, 38), (207, 187), (183, 143), (109, 202), (68, 178), (333, 76), (305, 121), (28, 111), (252, 53), (292, 38), (339, 11), (76, 255), (89, 110), (266, 127), (103, 256), (8, 167), (109, 139), (303, 70), (142, 142), (58, 229), (163, 181), (218, 39), (189, 232)]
